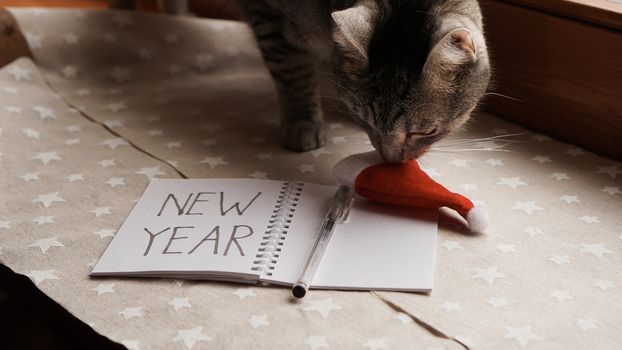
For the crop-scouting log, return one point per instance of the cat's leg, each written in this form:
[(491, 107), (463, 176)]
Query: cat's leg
[(292, 66), (122, 4)]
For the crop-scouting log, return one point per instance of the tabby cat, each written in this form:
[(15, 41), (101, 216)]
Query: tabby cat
[(409, 71)]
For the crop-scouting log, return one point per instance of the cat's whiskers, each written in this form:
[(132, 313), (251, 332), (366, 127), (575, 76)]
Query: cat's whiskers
[(502, 95)]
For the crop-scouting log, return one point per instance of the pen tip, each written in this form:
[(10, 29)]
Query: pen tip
[(299, 291)]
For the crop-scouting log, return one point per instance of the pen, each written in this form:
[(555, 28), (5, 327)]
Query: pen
[(338, 211)]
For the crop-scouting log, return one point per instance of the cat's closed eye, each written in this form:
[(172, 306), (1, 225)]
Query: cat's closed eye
[(415, 134)]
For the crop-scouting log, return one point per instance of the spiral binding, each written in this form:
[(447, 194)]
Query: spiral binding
[(277, 228)]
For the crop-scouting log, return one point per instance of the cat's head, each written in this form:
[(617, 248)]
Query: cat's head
[(411, 72)]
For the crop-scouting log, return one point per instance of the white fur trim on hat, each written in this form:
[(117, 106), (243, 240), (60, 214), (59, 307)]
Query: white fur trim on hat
[(478, 219)]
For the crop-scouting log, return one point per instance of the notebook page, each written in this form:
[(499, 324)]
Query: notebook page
[(380, 247), (193, 227)]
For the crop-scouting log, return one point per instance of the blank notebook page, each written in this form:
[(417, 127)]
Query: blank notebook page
[(379, 247)]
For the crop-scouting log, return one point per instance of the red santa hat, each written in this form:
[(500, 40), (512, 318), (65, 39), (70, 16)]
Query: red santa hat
[(405, 184)]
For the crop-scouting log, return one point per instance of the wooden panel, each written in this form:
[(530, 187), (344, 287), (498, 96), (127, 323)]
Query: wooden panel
[(607, 13), (567, 73)]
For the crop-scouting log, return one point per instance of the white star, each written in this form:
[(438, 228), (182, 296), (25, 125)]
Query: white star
[(506, 248), (69, 71), (318, 152), (18, 73), (259, 175), (74, 177), (46, 157), (40, 276), (469, 187), (403, 317), (612, 190), (570, 199), (560, 259), (604, 285), (30, 176), (497, 302), (114, 107), (212, 127), (207, 142), (46, 243), (10, 90), (70, 142), (264, 156), (306, 168), (121, 74), (213, 161), (338, 139), (542, 159), (432, 172), (316, 342), (34, 40), (130, 344), (154, 132), (150, 172), (173, 69), (130, 312), (42, 220), (575, 151), (153, 118), (586, 324), (513, 182), (323, 307), (561, 295), (191, 336), (203, 62), (104, 288), (171, 38), (116, 181), (451, 245), (375, 344), (179, 303), (13, 109), (44, 112), (5, 224), (71, 38), (597, 249), (257, 321), (449, 307), (83, 92), (30, 133), (489, 275), (74, 128), (590, 219), (48, 199), (114, 142), (103, 233), (612, 170), (122, 19), (459, 163), (99, 211), (527, 207), (173, 144), (243, 293), (104, 163), (144, 53), (522, 334), (560, 176)]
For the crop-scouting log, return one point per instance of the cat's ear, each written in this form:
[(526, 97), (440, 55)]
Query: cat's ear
[(456, 48), (354, 27)]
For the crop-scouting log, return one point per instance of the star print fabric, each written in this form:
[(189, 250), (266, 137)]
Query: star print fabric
[(116, 98)]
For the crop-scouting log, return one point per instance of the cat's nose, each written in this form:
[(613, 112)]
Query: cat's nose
[(392, 154)]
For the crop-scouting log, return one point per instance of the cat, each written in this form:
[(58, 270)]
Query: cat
[(409, 71)]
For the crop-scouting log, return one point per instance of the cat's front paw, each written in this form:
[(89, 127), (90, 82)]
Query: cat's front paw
[(302, 135)]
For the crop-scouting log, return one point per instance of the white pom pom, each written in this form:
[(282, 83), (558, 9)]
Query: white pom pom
[(478, 219)]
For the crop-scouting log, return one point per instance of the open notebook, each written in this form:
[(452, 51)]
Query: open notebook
[(247, 230)]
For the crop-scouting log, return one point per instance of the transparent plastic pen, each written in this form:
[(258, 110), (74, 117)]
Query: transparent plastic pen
[(337, 213)]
